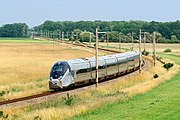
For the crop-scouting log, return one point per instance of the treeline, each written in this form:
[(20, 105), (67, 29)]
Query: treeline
[(14, 30), (166, 31)]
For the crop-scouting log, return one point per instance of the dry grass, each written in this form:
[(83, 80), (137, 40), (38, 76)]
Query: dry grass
[(105, 94), (148, 46), (87, 99), (25, 67), (151, 83)]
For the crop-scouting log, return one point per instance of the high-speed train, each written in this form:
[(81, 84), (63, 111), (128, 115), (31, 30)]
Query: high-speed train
[(68, 73)]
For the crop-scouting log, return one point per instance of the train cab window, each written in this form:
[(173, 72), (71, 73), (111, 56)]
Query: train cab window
[(59, 69)]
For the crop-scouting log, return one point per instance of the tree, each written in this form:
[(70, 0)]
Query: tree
[(85, 36), (14, 30), (173, 37), (164, 30)]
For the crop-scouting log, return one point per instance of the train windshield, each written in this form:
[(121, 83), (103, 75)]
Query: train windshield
[(58, 70)]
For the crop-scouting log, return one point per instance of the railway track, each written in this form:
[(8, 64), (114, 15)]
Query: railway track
[(85, 45), (34, 98)]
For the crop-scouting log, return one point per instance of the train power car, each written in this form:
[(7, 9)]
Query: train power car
[(79, 71)]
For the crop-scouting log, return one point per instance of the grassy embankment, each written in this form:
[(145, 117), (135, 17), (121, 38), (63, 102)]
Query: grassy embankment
[(86, 100), (162, 102), (25, 64), (22, 40)]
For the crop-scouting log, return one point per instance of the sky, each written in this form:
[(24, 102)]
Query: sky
[(35, 12)]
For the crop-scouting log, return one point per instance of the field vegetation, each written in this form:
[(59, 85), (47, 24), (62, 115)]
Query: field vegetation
[(148, 46), (23, 40), (25, 64), (81, 102), (66, 106), (159, 103)]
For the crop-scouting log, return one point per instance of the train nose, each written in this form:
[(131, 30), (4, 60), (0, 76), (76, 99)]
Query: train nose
[(55, 84)]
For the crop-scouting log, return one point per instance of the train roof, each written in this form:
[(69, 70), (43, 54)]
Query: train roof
[(82, 63)]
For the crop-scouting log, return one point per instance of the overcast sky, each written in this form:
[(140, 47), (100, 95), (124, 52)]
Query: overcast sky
[(35, 12)]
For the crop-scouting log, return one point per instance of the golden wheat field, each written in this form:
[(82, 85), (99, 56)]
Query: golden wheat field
[(25, 67), (148, 46), (89, 99)]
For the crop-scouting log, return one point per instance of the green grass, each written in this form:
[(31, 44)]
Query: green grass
[(161, 103), (12, 38), (173, 57), (22, 40)]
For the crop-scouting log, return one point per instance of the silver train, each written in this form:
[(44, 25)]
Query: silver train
[(68, 73)]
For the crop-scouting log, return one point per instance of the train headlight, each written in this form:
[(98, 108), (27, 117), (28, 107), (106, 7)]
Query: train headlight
[(60, 78)]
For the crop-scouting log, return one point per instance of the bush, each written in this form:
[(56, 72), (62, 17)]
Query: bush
[(167, 50), (2, 115), (37, 118), (155, 75), (68, 99), (160, 59), (2, 93), (168, 65), (144, 52)]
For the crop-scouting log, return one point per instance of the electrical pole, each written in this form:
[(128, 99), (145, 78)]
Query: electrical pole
[(52, 35), (76, 36), (67, 35), (62, 35), (41, 33), (140, 51), (119, 42), (89, 38), (144, 41), (132, 41), (107, 40), (48, 34), (53, 46), (83, 36), (32, 35), (24, 31), (59, 35), (96, 57), (154, 47), (72, 37)]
